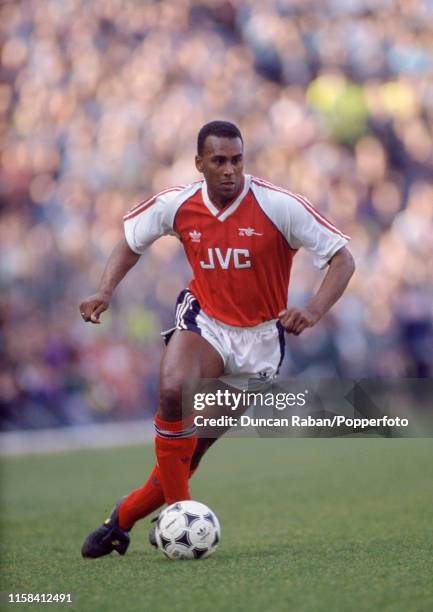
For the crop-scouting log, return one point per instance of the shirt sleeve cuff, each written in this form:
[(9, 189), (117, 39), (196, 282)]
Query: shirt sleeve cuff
[(322, 262), (129, 236)]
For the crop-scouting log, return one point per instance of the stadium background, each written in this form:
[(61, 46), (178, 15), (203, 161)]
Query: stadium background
[(100, 105)]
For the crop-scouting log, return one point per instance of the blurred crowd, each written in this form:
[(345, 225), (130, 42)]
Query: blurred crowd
[(100, 105)]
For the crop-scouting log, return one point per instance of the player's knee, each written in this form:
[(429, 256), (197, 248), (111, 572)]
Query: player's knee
[(170, 406)]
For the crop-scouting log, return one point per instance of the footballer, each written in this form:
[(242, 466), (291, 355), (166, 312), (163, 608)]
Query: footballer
[(240, 235)]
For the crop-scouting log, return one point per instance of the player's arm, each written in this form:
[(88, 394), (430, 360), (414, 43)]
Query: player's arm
[(121, 260), (341, 267), (143, 224)]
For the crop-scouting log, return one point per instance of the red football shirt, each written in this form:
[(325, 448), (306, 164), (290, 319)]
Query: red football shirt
[(241, 255)]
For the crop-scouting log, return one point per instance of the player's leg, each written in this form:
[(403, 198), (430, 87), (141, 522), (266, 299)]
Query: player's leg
[(188, 355)]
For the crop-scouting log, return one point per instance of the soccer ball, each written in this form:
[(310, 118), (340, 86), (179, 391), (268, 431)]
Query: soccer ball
[(187, 530)]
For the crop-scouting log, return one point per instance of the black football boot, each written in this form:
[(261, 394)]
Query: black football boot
[(106, 538)]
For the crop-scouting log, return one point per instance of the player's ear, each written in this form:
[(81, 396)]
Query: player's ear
[(199, 163)]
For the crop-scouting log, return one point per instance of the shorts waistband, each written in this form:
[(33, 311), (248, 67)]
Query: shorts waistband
[(260, 327)]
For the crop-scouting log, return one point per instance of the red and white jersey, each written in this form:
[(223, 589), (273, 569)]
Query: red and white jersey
[(241, 255)]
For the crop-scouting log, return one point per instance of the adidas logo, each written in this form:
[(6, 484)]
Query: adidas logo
[(195, 236)]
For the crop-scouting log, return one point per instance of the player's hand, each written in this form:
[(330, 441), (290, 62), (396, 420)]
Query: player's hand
[(295, 320), (92, 307)]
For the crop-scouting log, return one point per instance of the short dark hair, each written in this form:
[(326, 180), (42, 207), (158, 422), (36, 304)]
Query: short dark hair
[(224, 129)]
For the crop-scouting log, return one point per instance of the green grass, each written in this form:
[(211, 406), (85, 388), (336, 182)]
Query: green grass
[(312, 525)]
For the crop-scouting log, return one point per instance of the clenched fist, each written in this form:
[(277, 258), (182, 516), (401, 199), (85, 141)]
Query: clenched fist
[(92, 307), (295, 320)]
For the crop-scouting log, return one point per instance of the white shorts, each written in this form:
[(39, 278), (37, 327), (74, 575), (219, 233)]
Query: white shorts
[(253, 351)]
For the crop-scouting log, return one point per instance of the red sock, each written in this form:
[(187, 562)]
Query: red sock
[(148, 498), (174, 446), (143, 501)]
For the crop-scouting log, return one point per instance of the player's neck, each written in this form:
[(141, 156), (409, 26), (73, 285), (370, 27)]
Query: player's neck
[(220, 202)]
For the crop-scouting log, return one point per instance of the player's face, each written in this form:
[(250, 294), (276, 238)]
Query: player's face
[(222, 165)]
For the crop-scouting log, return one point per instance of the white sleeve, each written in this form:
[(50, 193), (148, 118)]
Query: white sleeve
[(301, 224), (152, 219)]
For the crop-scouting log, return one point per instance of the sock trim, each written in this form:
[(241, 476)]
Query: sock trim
[(174, 429), (185, 433)]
